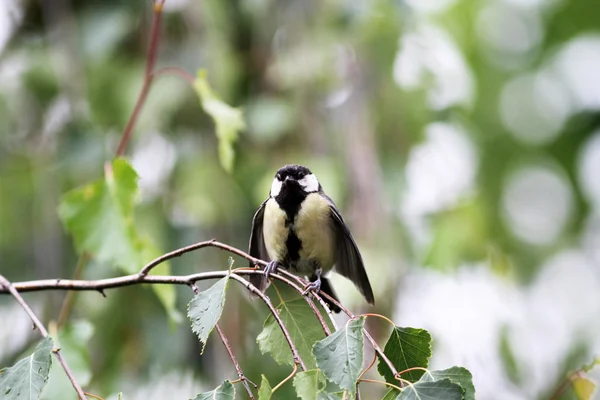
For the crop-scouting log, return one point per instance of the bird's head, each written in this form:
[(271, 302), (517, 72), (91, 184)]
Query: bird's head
[(294, 177)]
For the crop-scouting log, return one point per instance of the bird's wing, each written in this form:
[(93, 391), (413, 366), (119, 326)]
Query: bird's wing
[(349, 262), (257, 246)]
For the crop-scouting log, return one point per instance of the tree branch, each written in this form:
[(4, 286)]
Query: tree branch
[(5, 284), (143, 277), (148, 76)]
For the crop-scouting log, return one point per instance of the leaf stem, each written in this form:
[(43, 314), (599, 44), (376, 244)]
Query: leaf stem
[(380, 316), (290, 376), (368, 368), (381, 382), (36, 322), (93, 395)]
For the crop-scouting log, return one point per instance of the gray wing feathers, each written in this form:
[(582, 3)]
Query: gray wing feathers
[(349, 261), (257, 246)]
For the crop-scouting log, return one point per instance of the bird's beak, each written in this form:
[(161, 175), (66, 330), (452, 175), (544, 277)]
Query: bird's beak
[(287, 178)]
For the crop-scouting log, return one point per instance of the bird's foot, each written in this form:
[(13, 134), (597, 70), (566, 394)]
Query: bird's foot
[(271, 268), (315, 285)]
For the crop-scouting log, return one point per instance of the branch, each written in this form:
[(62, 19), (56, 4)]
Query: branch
[(235, 362), (265, 299), (6, 285), (143, 277), (150, 61)]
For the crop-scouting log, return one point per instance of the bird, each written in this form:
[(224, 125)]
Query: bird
[(300, 229)]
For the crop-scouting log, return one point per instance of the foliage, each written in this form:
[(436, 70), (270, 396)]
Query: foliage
[(448, 143), (226, 391), (406, 348), (205, 310), (27, 378), (304, 330)]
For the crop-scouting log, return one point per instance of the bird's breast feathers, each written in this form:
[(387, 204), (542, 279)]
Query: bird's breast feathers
[(314, 229), (275, 230), (312, 226)]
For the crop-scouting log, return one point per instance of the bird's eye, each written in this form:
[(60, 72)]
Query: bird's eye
[(278, 176)]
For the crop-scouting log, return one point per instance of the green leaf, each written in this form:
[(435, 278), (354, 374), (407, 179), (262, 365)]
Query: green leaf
[(229, 121), (304, 330), (340, 356), (583, 387), (406, 348), (205, 309), (458, 375), (265, 390), (27, 378), (331, 396), (225, 391), (443, 389), (391, 394), (100, 217), (308, 384)]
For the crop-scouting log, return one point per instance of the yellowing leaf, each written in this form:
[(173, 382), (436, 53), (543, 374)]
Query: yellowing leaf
[(583, 387)]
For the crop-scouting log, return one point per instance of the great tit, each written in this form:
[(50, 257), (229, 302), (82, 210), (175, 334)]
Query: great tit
[(300, 229)]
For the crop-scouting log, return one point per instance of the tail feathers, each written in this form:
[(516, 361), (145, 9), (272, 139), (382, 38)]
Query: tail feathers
[(259, 281), (328, 289)]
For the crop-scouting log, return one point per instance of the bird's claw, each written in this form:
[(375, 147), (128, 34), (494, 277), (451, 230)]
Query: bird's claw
[(271, 268), (316, 286)]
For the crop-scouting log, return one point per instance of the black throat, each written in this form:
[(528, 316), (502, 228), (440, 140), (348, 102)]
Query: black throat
[(290, 199)]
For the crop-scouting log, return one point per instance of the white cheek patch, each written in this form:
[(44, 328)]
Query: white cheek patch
[(310, 183), (275, 187)]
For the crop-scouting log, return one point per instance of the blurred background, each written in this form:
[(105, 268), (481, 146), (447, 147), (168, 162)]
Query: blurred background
[(460, 138)]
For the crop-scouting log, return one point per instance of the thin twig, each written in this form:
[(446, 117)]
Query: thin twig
[(265, 299), (235, 362), (8, 286), (150, 61), (141, 277)]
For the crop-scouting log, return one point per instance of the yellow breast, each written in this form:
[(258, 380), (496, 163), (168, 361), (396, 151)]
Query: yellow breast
[(275, 231), (313, 227)]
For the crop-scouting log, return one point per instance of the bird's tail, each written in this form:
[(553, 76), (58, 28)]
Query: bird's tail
[(328, 289), (259, 281)]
